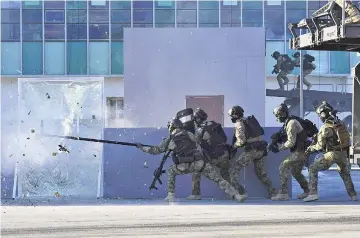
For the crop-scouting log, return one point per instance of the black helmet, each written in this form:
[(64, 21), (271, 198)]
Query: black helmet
[(276, 54), (281, 112), (235, 113), (324, 111), (200, 115), (174, 124), (296, 55)]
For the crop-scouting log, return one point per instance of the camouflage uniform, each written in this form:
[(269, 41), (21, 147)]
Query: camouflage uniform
[(199, 166), (326, 139), (245, 158), (294, 162), (222, 162), (282, 75), (305, 73)]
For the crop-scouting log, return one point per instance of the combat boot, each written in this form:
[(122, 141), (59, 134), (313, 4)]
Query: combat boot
[(281, 197), (354, 198), (194, 197), (303, 195), (311, 197), (272, 192), (170, 197), (240, 197)]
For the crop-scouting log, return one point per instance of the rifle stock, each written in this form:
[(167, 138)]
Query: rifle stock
[(159, 171)]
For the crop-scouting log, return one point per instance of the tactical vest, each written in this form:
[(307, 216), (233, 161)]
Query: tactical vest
[(185, 149), (216, 145), (301, 139), (252, 127), (287, 63), (306, 124), (340, 139)]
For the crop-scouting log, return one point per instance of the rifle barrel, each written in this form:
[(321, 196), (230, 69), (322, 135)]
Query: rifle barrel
[(93, 140)]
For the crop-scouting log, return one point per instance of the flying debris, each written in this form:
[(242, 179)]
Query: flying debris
[(48, 96), (32, 130), (63, 149)]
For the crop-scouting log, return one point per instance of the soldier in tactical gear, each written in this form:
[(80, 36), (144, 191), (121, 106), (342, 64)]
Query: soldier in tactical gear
[(334, 139), (188, 158), (284, 66), (247, 135), (308, 66), (296, 139), (212, 139)]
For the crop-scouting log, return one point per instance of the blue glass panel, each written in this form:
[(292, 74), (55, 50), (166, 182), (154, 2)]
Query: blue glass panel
[(32, 4), (164, 4), (32, 58), (54, 4), (229, 16), (76, 4), (316, 4), (272, 46), (143, 16), (10, 16), (142, 25), (121, 16), (32, 32), (10, 58), (54, 31), (99, 16), (299, 5), (208, 16), (181, 25), (10, 4), (208, 25), (143, 4), (54, 58), (32, 16), (76, 58), (76, 31), (117, 31), (161, 25), (117, 58), (321, 62), (76, 16), (186, 5), (54, 16), (339, 62), (99, 31), (230, 4), (99, 58), (253, 16), (164, 16), (10, 32), (251, 4), (354, 59), (118, 4), (274, 23), (291, 52), (209, 4), (294, 16), (186, 16), (101, 4)]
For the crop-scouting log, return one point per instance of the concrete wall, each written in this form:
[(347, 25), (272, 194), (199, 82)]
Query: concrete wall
[(164, 65), (125, 175)]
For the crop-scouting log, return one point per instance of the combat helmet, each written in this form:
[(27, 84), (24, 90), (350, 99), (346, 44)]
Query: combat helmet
[(200, 116), (281, 112)]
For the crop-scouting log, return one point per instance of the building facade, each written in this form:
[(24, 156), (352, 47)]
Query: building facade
[(85, 38)]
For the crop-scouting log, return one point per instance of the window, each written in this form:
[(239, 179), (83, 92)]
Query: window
[(143, 4), (76, 16), (32, 16), (117, 31), (186, 5), (321, 62), (230, 16), (54, 16), (32, 59), (296, 5), (10, 58), (99, 58), (180, 25), (295, 12), (32, 4), (10, 16), (290, 52), (10, 4), (253, 4), (272, 46), (164, 16), (117, 58), (164, 4), (120, 4), (76, 4), (98, 4), (99, 16), (317, 4), (230, 3), (54, 4), (98, 31), (54, 58), (10, 32), (274, 22), (54, 31), (186, 16), (76, 58), (161, 25), (339, 62), (354, 59), (32, 32), (120, 16), (143, 16), (143, 25), (208, 16), (208, 5), (252, 18), (208, 25), (76, 32), (115, 111)]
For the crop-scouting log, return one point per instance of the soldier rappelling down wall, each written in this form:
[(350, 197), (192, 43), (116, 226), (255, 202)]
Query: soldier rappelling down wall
[(248, 135), (307, 68), (188, 158), (284, 66), (212, 139), (334, 139)]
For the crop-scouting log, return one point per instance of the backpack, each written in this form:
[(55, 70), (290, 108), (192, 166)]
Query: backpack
[(342, 134), (252, 127), (309, 58), (307, 125), (217, 133), (287, 63)]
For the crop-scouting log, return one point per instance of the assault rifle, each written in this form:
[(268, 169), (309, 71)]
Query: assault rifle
[(276, 138), (159, 171)]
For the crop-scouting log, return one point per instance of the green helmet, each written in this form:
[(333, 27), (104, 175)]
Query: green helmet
[(281, 112), (174, 124), (324, 111)]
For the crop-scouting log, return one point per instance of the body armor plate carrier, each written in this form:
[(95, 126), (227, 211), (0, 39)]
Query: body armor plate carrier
[(185, 149)]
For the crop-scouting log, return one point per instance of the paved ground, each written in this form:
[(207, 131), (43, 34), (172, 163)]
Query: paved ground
[(333, 216)]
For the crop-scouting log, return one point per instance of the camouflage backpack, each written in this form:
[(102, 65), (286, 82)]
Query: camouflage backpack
[(342, 135)]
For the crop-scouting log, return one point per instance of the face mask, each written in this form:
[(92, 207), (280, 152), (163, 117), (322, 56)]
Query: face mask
[(233, 119), (280, 119)]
